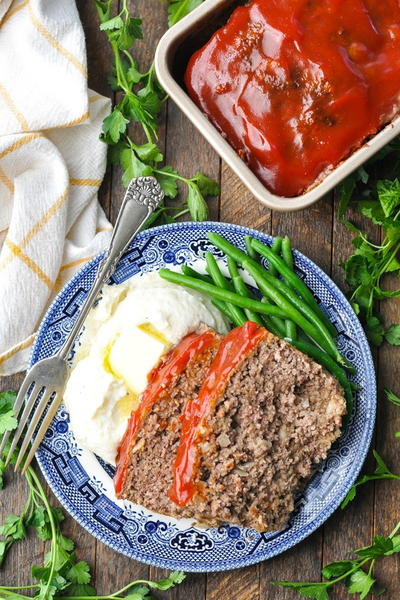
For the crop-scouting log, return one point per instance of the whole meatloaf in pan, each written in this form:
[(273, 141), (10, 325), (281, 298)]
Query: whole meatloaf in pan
[(293, 94), (235, 434)]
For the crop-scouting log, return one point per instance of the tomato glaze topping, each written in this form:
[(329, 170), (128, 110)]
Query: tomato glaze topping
[(297, 85), (172, 365), (233, 349)]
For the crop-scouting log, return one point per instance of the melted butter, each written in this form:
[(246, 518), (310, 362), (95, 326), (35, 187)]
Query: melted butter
[(153, 332), (106, 360), (127, 404)]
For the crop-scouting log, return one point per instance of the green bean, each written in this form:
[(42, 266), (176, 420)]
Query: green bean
[(220, 294), (276, 248), (287, 253), (250, 250), (223, 307), (291, 330), (287, 256), (325, 360), (232, 268), (192, 273), (220, 281), (276, 245), (291, 277), (278, 325), (354, 386), (314, 328)]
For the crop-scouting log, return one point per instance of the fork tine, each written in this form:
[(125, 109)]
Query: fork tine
[(23, 419), (17, 407), (41, 407), (42, 430)]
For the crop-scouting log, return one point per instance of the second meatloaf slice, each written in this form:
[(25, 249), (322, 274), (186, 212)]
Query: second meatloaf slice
[(244, 446)]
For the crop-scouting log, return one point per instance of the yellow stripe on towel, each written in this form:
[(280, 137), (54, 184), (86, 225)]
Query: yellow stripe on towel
[(11, 105), (55, 43), (29, 262)]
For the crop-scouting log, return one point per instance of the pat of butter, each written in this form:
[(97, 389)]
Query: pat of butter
[(133, 355)]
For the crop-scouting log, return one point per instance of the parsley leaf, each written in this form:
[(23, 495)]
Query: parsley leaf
[(389, 195), (196, 203), (361, 583), (381, 546), (79, 573), (81, 589), (180, 8), (8, 422), (207, 186), (338, 568), (392, 335), (318, 591), (167, 178), (392, 397), (173, 579), (382, 471), (114, 126)]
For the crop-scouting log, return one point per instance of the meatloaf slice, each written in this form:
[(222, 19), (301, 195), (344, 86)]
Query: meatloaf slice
[(273, 416), (144, 471)]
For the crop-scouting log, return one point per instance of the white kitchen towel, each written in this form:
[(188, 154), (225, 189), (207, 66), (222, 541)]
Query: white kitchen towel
[(51, 165)]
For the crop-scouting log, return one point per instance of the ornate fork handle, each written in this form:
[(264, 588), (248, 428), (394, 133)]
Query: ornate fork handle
[(142, 197)]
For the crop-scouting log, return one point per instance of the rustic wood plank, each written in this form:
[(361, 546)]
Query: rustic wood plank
[(239, 206), (241, 584)]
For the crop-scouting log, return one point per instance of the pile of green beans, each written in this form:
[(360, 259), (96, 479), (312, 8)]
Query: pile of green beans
[(287, 307)]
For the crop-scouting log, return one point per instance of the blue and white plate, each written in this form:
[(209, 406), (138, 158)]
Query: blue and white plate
[(83, 483)]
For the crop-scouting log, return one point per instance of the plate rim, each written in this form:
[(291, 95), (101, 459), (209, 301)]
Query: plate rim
[(248, 560)]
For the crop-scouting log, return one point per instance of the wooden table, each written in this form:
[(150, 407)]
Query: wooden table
[(315, 232)]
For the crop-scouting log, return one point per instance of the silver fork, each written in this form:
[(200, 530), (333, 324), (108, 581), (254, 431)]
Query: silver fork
[(47, 379)]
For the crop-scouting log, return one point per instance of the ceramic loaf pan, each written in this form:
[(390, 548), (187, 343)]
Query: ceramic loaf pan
[(172, 55)]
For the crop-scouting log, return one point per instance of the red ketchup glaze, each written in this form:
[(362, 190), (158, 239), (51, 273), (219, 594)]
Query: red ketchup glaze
[(232, 351), (159, 378), (296, 85)]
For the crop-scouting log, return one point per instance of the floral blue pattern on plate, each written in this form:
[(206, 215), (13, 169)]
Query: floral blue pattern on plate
[(83, 483)]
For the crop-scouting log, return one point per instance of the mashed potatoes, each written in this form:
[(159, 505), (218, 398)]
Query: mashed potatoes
[(125, 335)]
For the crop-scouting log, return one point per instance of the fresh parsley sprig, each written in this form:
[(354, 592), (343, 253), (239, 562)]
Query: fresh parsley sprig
[(140, 100), (62, 576), (394, 400), (381, 471), (352, 573), (178, 9), (374, 190)]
